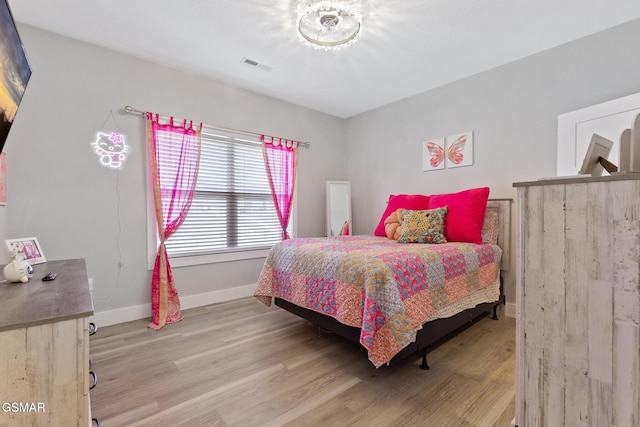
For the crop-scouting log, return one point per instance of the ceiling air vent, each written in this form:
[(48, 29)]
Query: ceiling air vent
[(255, 64)]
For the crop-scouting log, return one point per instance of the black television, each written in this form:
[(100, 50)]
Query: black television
[(15, 71)]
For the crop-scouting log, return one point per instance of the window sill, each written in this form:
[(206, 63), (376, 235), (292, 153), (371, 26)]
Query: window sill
[(187, 261)]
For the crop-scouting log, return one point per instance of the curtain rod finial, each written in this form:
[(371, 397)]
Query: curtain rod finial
[(128, 108)]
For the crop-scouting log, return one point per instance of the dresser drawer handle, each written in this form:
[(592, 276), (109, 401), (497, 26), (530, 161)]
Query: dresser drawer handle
[(95, 379), (92, 328), (95, 420)]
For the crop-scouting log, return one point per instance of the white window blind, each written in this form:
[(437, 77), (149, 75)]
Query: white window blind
[(232, 209)]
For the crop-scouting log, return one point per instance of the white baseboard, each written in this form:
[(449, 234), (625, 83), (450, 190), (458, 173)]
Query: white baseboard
[(143, 311), (510, 309)]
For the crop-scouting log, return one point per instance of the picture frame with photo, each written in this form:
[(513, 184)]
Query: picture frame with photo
[(28, 247)]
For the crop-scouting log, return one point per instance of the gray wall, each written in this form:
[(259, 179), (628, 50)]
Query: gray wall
[(513, 112), (59, 193)]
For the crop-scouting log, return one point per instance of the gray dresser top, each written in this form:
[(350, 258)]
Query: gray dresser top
[(37, 302), (578, 180)]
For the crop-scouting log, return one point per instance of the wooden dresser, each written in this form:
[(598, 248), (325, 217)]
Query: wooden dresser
[(44, 348), (578, 302)]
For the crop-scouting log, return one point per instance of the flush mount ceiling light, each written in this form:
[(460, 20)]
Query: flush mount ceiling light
[(329, 24)]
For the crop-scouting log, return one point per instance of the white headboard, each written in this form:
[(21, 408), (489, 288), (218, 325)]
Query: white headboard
[(503, 208)]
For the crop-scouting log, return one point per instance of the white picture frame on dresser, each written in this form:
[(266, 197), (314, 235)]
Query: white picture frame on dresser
[(28, 247)]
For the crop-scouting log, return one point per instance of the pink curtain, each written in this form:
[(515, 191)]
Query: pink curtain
[(281, 161), (174, 155)]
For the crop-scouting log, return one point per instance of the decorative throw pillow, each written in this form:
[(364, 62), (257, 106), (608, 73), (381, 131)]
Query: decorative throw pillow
[(393, 225), (425, 226), (404, 201), (490, 228), (466, 213)]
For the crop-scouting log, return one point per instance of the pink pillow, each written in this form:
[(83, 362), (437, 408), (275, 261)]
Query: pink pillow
[(466, 213), (414, 202)]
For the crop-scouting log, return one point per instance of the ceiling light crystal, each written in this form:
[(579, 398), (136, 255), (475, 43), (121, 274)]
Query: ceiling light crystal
[(329, 24)]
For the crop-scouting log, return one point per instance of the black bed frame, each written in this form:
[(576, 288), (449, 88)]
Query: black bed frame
[(431, 335)]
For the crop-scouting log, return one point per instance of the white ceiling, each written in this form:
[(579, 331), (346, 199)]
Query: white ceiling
[(406, 47)]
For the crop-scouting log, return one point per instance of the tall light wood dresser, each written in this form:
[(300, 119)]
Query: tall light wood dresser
[(44, 348), (578, 302)]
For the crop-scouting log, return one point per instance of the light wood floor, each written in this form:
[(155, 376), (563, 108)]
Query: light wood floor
[(243, 364)]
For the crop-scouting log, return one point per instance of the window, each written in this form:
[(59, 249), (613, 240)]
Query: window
[(232, 215)]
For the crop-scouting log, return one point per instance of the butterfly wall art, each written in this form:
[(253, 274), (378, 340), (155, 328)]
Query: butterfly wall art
[(457, 152), (433, 154)]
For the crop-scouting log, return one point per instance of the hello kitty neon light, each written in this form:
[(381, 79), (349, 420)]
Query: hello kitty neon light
[(111, 148)]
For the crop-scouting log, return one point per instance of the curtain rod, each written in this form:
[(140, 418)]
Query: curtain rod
[(130, 109)]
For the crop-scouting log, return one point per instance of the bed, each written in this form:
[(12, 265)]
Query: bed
[(393, 298)]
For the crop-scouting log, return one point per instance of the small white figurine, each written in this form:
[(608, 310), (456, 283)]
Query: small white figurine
[(18, 270)]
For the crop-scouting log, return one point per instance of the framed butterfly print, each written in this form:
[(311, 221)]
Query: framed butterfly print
[(433, 154), (459, 150)]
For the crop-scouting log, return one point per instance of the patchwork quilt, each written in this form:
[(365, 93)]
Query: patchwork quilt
[(385, 288)]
